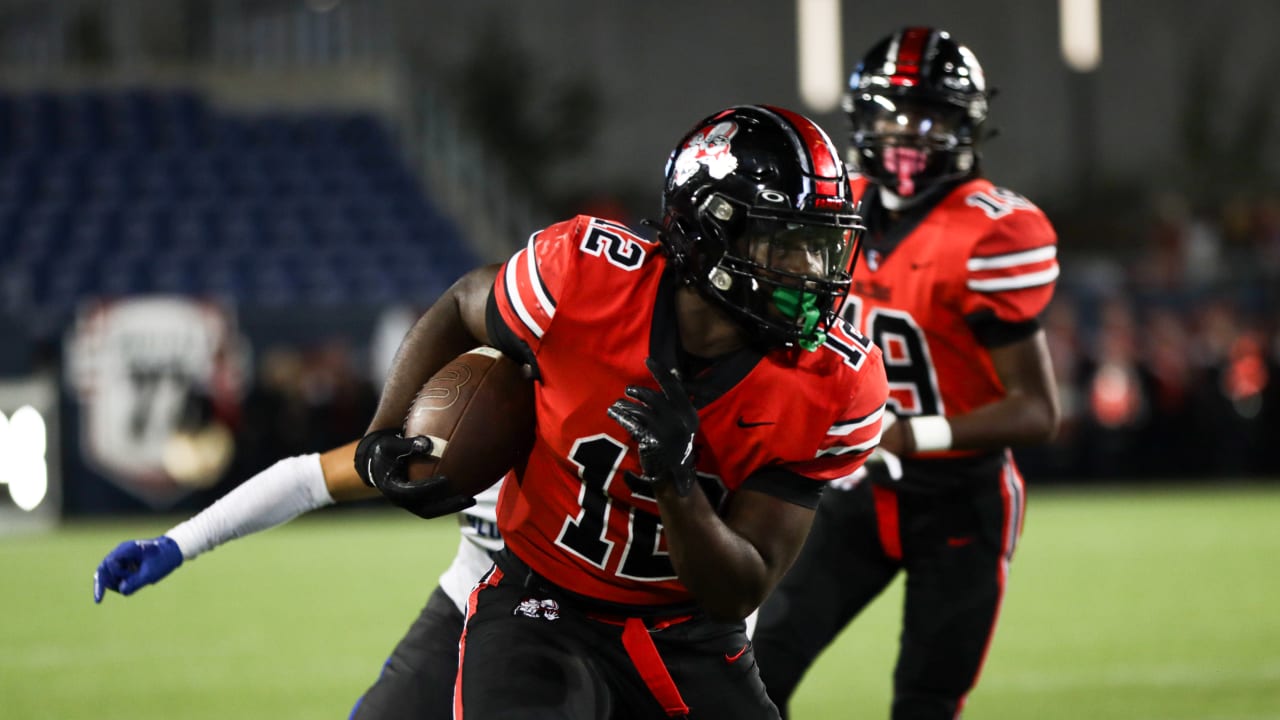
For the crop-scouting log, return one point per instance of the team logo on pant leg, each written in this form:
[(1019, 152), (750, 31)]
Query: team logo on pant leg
[(535, 608)]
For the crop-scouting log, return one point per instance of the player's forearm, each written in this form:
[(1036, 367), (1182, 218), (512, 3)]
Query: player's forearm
[(453, 325), (1016, 420), (340, 477), (1029, 411), (725, 572)]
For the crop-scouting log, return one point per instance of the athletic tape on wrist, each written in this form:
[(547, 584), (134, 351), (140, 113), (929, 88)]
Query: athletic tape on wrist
[(931, 432)]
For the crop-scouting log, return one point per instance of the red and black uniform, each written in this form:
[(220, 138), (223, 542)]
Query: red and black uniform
[(936, 290), (567, 622)]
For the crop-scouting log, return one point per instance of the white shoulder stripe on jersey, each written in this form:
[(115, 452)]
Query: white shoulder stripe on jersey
[(1024, 257), (535, 277), (846, 449), (517, 302), (1015, 282), (844, 428)]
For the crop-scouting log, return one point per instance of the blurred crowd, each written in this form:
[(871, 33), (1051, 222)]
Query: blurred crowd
[(1167, 350), (303, 399)]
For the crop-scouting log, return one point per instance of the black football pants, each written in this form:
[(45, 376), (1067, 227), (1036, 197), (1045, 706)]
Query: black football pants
[(417, 680), (955, 552), (530, 653)]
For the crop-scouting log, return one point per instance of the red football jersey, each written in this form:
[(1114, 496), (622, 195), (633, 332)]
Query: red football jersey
[(592, 300), (982, 255)]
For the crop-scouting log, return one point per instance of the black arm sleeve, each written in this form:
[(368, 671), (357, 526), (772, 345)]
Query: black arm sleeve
[(993, 332), (786, 485)]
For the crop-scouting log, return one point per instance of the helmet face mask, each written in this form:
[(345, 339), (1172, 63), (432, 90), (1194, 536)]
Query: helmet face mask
[(916, 103), (764, 228), (783, 270)]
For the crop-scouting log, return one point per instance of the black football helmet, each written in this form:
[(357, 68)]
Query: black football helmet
[(917, 103), (757, 215)]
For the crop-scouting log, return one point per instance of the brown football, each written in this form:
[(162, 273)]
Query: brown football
[(481, 406)]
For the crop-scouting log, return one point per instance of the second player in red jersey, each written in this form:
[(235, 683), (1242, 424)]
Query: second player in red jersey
[(941, 287), (956, 271)]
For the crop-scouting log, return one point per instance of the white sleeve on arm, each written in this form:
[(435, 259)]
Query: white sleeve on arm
[(280, 493)]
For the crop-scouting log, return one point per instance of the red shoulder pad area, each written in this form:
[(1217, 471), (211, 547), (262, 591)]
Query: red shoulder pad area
[(530, 282), (1012, 267), (860, 393), (534, 281)]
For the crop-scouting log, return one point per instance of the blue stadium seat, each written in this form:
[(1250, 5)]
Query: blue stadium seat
[(118, 277), (117, 192)]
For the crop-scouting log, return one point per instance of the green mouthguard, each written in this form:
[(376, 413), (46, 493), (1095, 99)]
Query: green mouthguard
[(797, 304)]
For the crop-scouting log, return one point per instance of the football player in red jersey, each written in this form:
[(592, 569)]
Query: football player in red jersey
[(955, 273), (694, 395)]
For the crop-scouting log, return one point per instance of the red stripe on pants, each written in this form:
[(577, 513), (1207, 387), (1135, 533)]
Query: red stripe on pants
[(644, 654), (490, 580), (887, 521)]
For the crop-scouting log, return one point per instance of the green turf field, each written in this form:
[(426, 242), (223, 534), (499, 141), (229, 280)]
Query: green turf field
[(1133, 605)]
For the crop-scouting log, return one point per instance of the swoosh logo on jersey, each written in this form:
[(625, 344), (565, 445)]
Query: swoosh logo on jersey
[(961, 541), (742, 423), (920, 265), (731, 659)]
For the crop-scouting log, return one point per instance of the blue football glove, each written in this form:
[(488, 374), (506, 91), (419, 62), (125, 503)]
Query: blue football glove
[(134, 564), (663, 425)]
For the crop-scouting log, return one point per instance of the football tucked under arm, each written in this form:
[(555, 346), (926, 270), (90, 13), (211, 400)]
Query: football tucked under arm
[(469, 425)]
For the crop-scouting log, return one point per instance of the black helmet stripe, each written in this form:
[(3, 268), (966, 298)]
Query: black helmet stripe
[(821, 161)]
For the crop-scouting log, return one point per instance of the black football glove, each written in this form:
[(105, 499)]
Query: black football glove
[(382, 461), (663, 425)]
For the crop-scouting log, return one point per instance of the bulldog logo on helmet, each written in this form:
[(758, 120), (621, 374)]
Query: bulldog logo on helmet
[(709, 146)]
